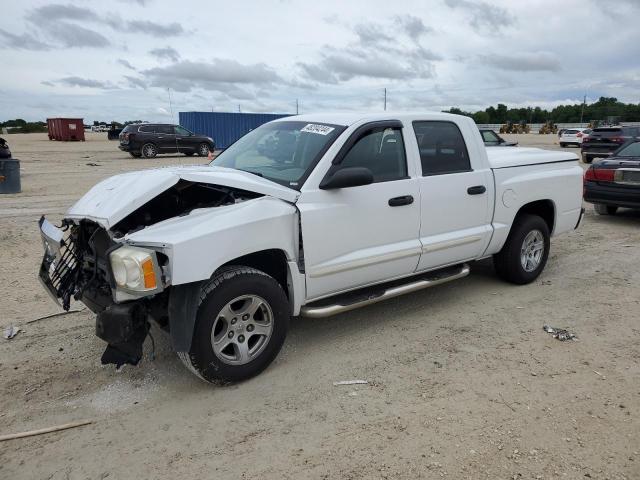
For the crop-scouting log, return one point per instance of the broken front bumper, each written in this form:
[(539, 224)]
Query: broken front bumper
[(59, 264)]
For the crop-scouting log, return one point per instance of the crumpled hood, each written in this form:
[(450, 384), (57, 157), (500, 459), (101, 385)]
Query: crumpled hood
[(113, 199)]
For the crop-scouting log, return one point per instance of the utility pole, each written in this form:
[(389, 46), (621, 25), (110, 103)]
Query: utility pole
[(385, 99), (239, 111), (584, 100), (296, 106), (170, 103)]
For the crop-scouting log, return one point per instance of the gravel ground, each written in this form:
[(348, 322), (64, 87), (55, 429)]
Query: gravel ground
[(463, 382)]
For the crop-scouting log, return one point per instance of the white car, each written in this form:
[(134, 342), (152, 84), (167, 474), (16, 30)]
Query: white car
[(310, 215), (573, 136)]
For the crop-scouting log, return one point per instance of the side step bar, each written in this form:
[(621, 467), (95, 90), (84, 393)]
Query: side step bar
[(351, 301)]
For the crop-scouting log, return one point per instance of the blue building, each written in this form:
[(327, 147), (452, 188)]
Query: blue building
[(225, 128)]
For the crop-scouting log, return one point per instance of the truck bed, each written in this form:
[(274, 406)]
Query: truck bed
[(518, 157)]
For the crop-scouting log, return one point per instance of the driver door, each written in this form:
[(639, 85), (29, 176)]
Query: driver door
[(357, 236)]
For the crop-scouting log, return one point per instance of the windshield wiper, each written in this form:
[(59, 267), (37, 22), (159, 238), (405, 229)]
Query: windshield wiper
[(249, 171)]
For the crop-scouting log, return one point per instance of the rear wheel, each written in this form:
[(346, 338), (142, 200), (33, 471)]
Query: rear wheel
[(149, 150), (525, 253), (605, 209), (563, 145), (241, 324), (203, 150), (587, 158)]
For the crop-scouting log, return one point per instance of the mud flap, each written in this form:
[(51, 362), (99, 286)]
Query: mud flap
[(124, 327)]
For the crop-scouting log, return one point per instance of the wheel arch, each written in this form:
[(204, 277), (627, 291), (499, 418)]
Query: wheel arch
[(183, 299), (546, 209)]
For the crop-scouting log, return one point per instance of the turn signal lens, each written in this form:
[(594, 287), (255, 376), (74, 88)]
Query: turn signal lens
[(149, 274)]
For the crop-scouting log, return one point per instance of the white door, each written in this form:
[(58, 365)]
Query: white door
[(456, 201), (366, 234)]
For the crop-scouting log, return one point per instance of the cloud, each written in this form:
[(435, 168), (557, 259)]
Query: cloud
[(85, 83), (48, 83), (166, 53), (220, 74), (125, 64), (22, 42), (524, 62), (483, 15), (56, 11), (145, 27), (135, 82), (371, 33), (70, 35), (412, 26)]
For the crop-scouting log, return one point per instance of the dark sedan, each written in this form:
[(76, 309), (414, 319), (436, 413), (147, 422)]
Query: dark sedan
[(615, 182), (603, 141)]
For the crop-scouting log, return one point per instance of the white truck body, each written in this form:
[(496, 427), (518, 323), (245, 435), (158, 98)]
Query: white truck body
[(343, 239)]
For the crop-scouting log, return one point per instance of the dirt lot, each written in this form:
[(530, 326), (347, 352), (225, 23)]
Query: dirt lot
[(463, 381)]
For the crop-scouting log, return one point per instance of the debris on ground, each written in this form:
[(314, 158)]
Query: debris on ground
[(57, 314), (560, 333), (57, 428), (91, 164), (350, 382), (11, 332)]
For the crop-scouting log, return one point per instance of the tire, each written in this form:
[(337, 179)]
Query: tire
[(203, 150), (508, 262), (605, 209), (149, 150), (135, 154), (563, 145), (232, 289), (587, 158)]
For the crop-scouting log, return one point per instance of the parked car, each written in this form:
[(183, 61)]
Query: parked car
[(573, 136), (615, 181), (5, 152), (150, 139), (492, 139), (603, 141), (339, 211)]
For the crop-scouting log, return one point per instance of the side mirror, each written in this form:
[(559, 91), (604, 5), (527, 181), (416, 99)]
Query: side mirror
[(347, 177)]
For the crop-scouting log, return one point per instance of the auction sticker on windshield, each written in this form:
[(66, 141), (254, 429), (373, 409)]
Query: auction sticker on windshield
[(319, 129)]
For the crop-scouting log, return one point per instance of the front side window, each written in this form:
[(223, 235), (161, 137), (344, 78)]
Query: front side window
[(182, 131), (284, 152), (442, 148), (381, 150)]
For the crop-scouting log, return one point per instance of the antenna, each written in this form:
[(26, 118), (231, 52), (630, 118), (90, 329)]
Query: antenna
[(170, 104), (385, 99)]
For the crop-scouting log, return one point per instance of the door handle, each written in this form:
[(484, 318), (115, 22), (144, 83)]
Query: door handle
[(399, 201), (477, 190)]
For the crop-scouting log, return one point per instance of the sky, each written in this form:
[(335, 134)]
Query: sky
[(150, 59)]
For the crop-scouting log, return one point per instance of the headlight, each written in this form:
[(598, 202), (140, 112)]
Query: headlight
[(134, 269)]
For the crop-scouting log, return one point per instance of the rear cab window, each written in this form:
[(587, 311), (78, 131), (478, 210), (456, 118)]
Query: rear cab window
[(442, 148)]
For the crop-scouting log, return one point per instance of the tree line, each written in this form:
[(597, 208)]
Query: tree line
[(607, 109)]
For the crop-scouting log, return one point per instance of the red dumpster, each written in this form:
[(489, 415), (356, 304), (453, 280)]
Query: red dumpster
[(66, 129)]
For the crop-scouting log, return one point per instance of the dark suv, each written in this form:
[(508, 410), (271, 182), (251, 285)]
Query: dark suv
[(149, 139), (603, 141)]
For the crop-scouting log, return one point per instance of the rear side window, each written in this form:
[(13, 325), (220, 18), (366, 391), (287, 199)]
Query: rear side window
[(611, 131), (442, 148), (570, 132), (165, 129), (146, 129), (381, 150)]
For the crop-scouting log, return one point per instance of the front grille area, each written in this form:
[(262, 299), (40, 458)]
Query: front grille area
[(63, 272)]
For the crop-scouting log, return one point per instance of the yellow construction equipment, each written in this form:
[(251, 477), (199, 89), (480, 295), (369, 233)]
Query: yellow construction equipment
[(548, 127)]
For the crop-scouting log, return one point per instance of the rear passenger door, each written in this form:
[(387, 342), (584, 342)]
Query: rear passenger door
[(166, 139), (455, 200)]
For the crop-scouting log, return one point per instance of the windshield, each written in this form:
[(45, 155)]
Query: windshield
[(284, 152), (631, 150)]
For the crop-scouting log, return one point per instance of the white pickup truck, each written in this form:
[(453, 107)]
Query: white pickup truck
[(309, 215)]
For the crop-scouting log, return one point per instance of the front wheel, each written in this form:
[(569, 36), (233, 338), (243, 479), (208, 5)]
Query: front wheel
[(525, 252), (242, 321), (605, 209), (135, 154)]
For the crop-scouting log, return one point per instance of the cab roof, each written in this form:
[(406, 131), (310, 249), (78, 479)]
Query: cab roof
[(350, 118)]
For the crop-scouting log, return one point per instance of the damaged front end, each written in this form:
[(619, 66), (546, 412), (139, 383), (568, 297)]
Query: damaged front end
[(78, 264), (93, 261)]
